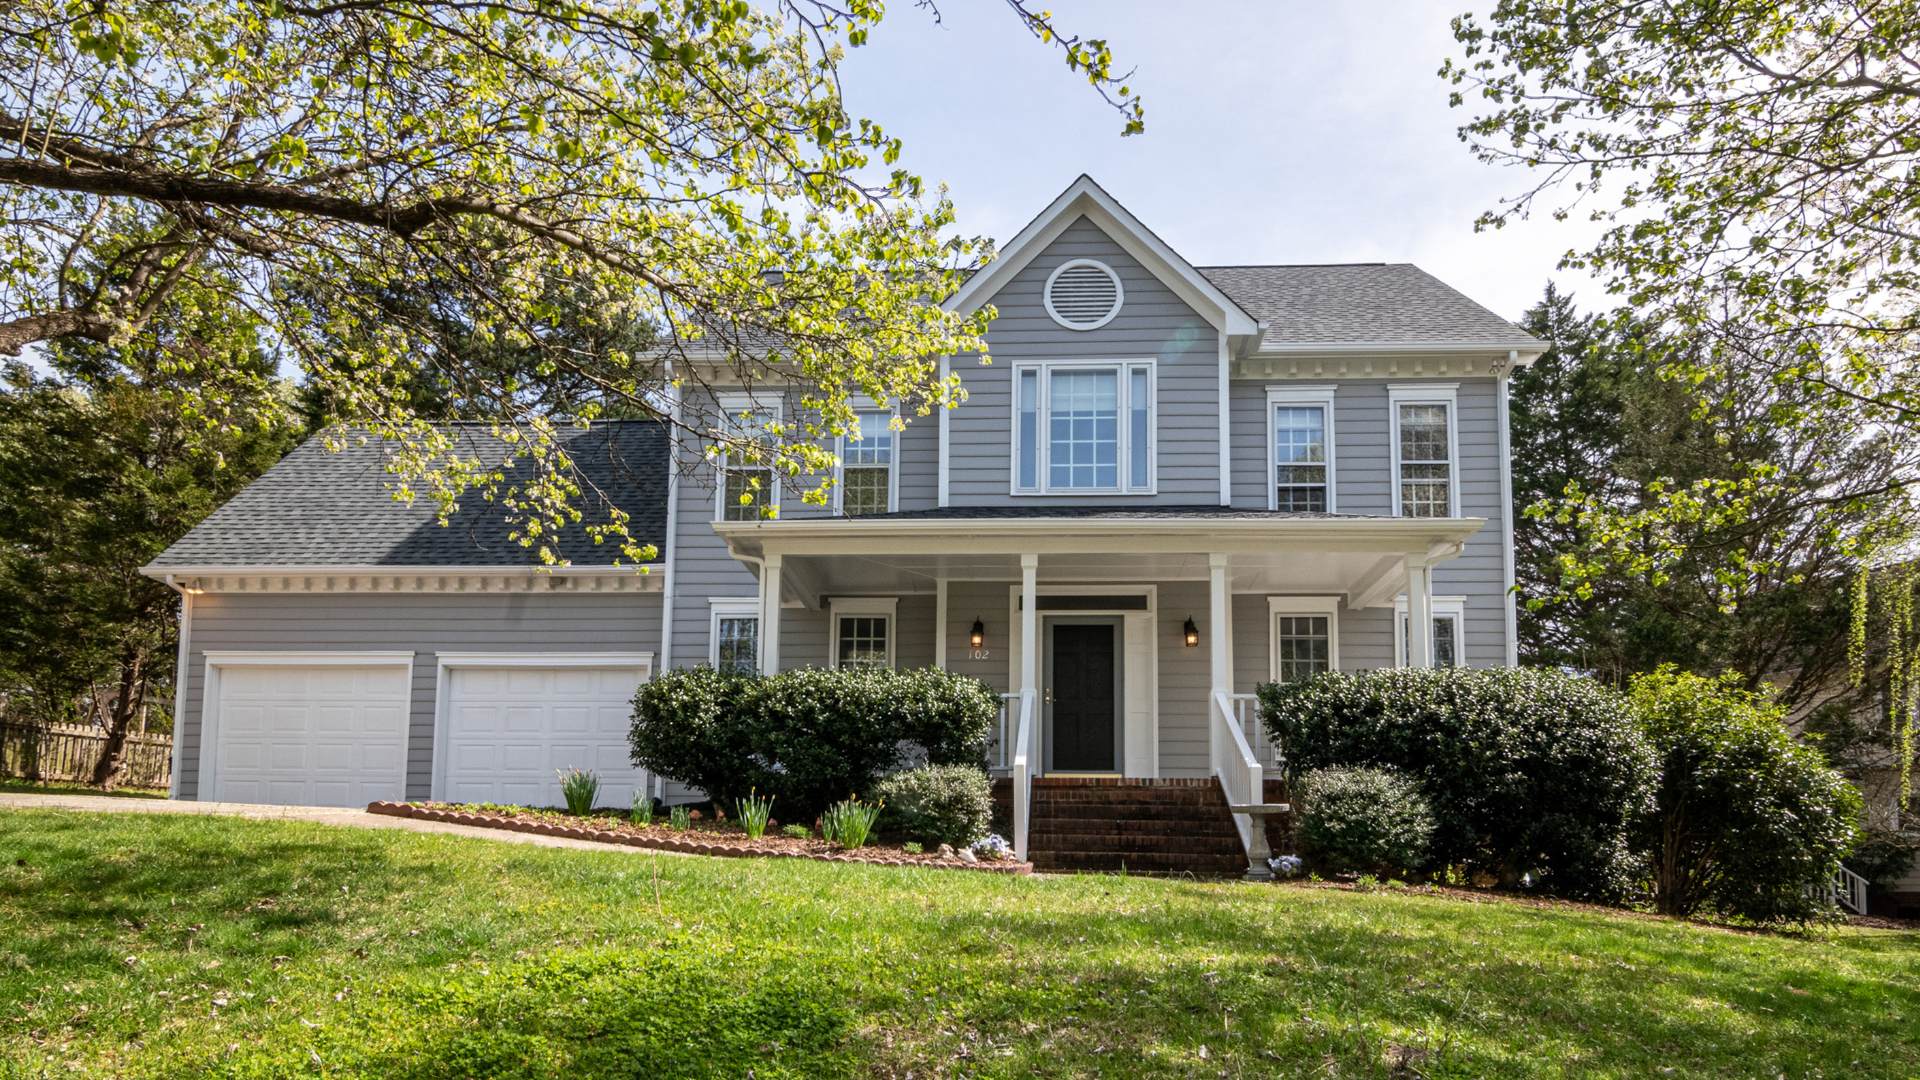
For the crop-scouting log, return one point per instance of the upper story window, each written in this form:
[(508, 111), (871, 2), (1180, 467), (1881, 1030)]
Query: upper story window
[(1425, 451), (1300, 444), (866, 465), (747, 490), (1083, 294), (1083, 428)]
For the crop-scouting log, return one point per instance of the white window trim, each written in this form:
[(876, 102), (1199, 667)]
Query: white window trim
[(855, 606), (445, 663), (1447, 394), (1278, 606), (893, 467), (1321, 396), (1123, 375), (1119, 294), (728, 607), (1441, 607), (213, 661), (731, 405)]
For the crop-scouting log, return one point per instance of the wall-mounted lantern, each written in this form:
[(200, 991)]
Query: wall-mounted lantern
[(977, 637), (1192, 633)]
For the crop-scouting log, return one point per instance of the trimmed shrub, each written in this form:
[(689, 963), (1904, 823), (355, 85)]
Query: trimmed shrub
[(1746, 820), (937, 804), (806, 737), (1532, 774), (1363, 821)]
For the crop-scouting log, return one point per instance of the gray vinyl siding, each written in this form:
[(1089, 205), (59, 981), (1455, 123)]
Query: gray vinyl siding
[(425, 623), (1153, 323), (1363, 461), (918, 460)]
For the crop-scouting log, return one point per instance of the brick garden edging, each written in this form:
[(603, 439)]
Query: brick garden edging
[(675, 843)]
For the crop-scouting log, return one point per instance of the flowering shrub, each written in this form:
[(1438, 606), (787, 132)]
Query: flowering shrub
[(1372, 821), (993, 846), (937, 804)]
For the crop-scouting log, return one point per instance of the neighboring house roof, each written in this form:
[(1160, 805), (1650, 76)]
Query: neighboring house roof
[(321, 508), (1362, 303)]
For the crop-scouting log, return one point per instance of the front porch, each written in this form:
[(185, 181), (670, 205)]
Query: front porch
[(1125, 645)]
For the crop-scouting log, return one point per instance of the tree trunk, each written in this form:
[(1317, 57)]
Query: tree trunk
[(113, 755)]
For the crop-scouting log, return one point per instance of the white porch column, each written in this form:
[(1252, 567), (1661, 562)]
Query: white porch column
[(940, 623), (1419, 615), (1220, 617), (770, 615), (1029, 624)]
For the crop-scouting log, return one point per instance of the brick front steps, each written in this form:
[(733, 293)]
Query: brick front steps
[(1136, 826), (740, 848)]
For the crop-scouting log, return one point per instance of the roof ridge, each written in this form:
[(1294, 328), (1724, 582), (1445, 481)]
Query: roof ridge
[(1292, 266)]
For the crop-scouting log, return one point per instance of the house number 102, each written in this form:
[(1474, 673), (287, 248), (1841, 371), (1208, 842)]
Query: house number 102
[(981, 654)]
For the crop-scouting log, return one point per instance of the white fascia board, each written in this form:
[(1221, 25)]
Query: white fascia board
[(1520, 356), (162, 573), (1086, 198)]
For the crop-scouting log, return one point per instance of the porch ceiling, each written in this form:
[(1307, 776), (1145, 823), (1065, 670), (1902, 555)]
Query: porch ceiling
[(1359, 558)]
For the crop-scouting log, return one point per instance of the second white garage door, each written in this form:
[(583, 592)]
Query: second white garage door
[(510, 727)]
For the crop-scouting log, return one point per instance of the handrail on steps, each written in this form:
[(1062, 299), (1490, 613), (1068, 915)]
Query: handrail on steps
[(1242, 780), (1023, 775)]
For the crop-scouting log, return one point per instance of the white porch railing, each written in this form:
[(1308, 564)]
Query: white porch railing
[(1022, 765), (1847, 889), (1000, 747), (1241, 776), (1246, 713)]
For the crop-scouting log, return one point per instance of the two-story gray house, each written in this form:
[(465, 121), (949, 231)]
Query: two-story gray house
[(1172, 483)]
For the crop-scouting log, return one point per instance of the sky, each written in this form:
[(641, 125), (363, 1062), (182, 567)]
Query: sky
[(1277, 132)]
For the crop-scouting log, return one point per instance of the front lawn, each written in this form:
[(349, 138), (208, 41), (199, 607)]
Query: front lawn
[(172, 945)]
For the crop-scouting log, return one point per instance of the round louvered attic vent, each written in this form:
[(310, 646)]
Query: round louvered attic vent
[(1084, 294)]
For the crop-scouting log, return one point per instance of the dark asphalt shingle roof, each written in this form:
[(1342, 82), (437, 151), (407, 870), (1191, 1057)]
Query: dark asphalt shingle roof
[(1351, 303), (321, 508)]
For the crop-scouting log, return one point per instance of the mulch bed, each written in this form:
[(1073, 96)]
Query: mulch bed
[(704, 838)]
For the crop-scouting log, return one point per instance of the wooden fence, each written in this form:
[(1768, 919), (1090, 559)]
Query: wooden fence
[(64, 752)]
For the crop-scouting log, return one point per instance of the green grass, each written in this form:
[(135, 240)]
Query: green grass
[(168, 945), (58, 787)]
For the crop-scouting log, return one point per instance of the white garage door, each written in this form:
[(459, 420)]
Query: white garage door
[(332, 735), (511, 729)]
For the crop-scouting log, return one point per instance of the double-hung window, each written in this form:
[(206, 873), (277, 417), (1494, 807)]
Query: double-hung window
[(1083, 428), (747, 489), (1425, 450), (1449, 621), (1300, 448), (734, 636), (863, 629), (1305, 636), (866, 464)]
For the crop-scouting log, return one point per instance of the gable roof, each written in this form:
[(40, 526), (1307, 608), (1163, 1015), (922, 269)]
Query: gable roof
[(1084, 198), (318, 508), (1363, 304)]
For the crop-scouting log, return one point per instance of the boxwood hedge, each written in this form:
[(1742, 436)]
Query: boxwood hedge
[(1532, 774), (808, 737)]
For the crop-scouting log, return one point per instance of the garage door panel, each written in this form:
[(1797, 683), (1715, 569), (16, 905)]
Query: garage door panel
[(511, 730), (316, 735)]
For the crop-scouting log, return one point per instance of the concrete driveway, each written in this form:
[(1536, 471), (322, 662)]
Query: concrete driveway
[(324, 815)]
